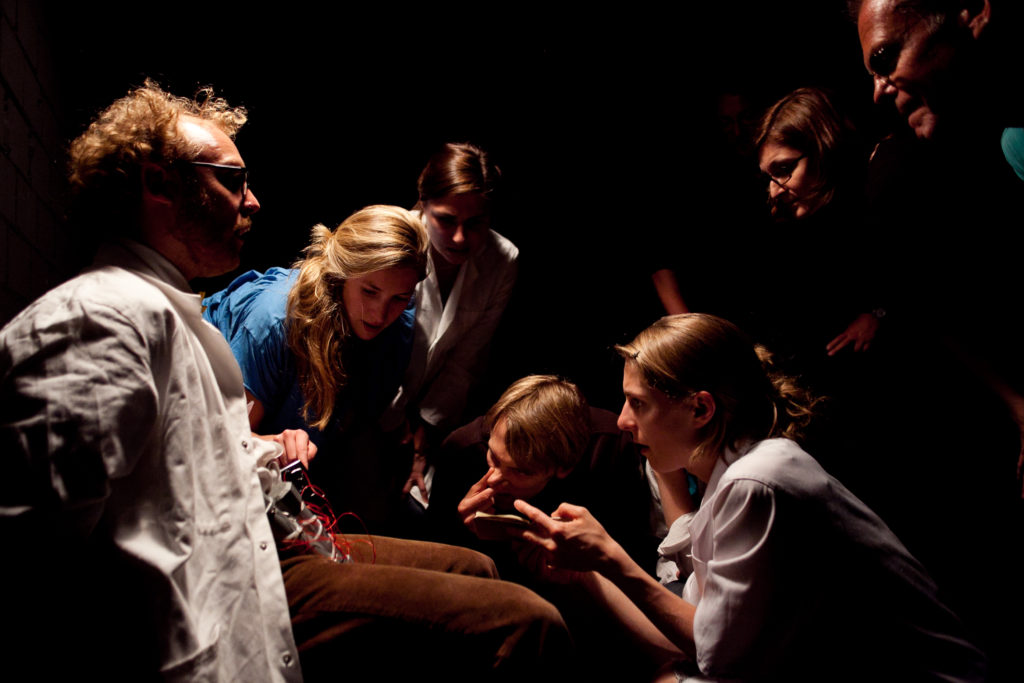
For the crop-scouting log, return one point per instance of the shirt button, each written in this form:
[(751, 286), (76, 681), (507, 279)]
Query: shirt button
[(287, 659), (245, 444), (263, 545)]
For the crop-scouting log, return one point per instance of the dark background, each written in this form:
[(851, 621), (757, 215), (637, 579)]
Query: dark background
[(606, 129), (604, 125)]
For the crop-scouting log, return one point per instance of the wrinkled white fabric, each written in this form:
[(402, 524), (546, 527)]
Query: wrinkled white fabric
[(793, 576), (136, 407), (451, 338)]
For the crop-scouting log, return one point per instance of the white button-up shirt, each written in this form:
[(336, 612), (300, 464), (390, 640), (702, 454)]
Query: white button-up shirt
[(135, 407), (794, 578)]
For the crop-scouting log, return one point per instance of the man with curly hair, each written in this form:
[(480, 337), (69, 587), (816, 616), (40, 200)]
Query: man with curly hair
[(124, 428), (132, 504)]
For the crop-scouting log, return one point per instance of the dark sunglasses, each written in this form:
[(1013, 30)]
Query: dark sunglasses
[(234, 178)]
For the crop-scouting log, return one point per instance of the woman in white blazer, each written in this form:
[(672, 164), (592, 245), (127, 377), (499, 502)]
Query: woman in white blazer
[(470, 275)]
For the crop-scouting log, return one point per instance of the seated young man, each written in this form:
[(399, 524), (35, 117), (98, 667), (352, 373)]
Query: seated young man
[(540, 442)]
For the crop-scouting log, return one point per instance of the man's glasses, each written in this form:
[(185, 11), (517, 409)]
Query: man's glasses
[(234, 178)]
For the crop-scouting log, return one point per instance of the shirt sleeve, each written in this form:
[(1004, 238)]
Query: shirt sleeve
[(81, 407), (746, 612), (1012, 142), (251, 314), (265, 361)]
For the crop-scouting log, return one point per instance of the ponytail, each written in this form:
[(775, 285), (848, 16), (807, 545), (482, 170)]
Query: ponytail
[(794, 406)]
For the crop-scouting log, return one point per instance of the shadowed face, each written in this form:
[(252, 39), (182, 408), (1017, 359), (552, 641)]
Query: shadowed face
[(457, 225), (791, 181), (375, 300), (508, 479), (216, 210), (663, 428), (913, 60)]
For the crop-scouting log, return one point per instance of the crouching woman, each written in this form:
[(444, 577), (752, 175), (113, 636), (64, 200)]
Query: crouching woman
[(793, 577)]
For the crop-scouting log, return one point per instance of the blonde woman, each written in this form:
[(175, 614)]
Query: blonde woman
[(325, 344), (793, 578)]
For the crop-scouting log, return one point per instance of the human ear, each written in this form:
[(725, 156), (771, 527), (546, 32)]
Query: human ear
[(157, 184), (975, 16), (703, 408)]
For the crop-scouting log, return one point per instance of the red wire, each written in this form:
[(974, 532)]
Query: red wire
[(330, 523)]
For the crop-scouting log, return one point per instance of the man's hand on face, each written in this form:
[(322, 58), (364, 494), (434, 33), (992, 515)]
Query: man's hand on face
[(479, 498)]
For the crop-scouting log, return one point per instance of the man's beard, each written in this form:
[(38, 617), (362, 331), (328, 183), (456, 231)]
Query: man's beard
[(210, 243)]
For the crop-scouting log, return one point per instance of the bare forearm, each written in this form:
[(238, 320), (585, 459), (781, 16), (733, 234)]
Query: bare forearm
[(632, 618), (667, 286), (632, 593), (574, 540)]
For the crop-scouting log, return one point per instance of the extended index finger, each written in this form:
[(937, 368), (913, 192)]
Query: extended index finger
[(536, 516), (480, 485), (837, 343), (301, 445)]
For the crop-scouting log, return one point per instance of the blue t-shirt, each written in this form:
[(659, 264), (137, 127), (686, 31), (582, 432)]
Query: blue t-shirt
[(1013, 149), (250, 314)]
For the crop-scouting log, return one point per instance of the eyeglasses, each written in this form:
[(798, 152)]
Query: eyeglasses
[(783, 172), (234, 178), (883, 61)]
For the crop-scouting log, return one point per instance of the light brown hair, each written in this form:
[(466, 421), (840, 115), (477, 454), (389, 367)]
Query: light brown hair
[(682, 354), (458, 168), (808, 121), (547, 423)]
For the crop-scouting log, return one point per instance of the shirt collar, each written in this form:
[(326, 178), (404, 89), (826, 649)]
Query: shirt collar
[(730, 456), (138, 257)]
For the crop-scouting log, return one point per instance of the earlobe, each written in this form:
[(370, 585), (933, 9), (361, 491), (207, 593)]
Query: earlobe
[(156, 184), (703, 408), (976, 17)]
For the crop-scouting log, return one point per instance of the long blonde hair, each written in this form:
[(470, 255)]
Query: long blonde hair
[(682, 354), (372, 239)]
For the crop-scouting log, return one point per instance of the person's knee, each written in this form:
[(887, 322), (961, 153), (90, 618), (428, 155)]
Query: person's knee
[(471, 563), (537, 642), (531, 612)]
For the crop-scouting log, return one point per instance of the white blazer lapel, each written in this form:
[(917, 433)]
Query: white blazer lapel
[(451, 307)]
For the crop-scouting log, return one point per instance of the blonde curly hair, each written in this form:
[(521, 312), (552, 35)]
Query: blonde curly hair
[(105, 165)]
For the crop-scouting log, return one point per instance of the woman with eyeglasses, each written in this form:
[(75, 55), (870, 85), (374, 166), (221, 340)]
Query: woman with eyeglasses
[(806, 150), (820, 313), (470, 276), (323, 345), (794, 578), (813, 168)]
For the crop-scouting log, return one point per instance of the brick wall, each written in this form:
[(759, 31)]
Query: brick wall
[(33, 254)]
